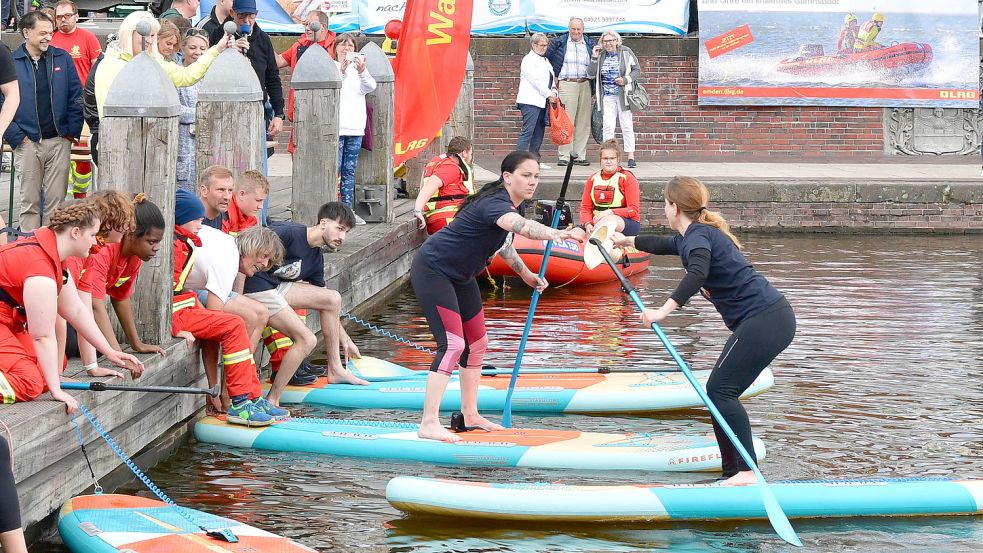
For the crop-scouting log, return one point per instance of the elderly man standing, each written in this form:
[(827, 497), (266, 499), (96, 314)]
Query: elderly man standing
[(48, 119), (569, 54)]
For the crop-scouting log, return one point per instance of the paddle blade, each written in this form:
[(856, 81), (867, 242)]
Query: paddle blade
[(602, 233), (776, 515)]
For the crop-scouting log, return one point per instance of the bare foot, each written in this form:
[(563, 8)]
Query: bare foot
[(482, 422), (745, 478), (434, 431), (344, 376)]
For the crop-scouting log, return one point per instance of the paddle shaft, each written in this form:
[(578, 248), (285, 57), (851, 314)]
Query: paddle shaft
[(103, 387), (557, 211), (775, 514)]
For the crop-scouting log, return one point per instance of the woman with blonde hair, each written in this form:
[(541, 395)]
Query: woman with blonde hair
[(169, 41), (760, 318), (614, 68)]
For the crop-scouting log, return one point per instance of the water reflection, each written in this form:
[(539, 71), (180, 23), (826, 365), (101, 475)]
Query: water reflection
[(883, 379)]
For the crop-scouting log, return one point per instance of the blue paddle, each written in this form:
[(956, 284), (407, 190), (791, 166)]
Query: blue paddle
[(775, 513), (557, 211), (103, 387)]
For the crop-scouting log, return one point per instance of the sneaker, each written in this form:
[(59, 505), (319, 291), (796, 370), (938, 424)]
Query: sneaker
[(582, 163), (562, 163), (359, 220), (278, 413), (249, 414), (632, 164), (302, 379), (314, 370), (544, 167)]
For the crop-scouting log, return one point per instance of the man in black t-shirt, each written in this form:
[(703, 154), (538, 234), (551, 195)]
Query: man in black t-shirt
[(11, 99)]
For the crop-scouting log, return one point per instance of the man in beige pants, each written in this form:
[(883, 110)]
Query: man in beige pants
[(569, 54)]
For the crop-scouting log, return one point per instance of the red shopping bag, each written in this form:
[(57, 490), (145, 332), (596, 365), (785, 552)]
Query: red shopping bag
[(561, 127)]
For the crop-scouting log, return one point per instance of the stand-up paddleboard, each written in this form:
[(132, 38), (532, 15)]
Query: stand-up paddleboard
[(512, 447), (397, 387), (562, 503), (112, 522)]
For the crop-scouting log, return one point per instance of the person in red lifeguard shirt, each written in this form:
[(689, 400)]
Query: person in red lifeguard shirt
[(325, 38), (34, 289), (81, 44), (112, 271), (611, 194), (191, 321), (447, 181), (248, 196)]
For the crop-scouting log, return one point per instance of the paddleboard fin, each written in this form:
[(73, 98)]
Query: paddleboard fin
[(224, 534), (457, 423)]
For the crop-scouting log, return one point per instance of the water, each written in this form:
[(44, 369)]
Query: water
[(882, 380)]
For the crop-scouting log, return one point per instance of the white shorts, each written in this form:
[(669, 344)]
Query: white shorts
[(274, 299)]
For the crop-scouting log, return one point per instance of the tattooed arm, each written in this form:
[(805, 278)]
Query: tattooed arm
[(514, 261), (513, 222)]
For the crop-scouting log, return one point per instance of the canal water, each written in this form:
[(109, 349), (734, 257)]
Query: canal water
[(883, 380)]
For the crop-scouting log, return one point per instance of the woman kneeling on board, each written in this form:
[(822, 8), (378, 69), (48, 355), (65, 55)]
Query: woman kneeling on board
[(443, 278), (32, 280), (759, 316)]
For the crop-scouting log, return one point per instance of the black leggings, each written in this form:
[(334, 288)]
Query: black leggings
[(748, 351), (9, 507), (455, 314)]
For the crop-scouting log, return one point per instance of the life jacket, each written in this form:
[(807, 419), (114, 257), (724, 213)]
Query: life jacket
[(866, 36), (606, 193), (236, 222), (446, 201), (184, 256)]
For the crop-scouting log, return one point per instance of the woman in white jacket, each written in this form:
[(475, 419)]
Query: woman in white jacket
[(356, 82), (536, 84)]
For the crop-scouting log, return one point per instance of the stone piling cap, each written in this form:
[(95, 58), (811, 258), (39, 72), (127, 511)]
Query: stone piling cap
[(142, 89), (231, 78), (377, 64), (315, 70)]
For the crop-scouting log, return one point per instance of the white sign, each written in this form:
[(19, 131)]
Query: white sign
[(667, 17)]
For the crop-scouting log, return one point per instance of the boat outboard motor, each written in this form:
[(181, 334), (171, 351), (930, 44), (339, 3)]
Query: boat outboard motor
[(544, 213)]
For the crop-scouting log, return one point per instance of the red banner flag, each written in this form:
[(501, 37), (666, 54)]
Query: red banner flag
[(430, 62)]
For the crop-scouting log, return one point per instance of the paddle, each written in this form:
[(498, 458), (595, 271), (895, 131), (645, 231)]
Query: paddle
[(775, 513), (557, 211), (417, 375), (103, 387)]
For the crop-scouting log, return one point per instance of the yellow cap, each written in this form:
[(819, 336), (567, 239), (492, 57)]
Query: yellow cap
[(878, 17)]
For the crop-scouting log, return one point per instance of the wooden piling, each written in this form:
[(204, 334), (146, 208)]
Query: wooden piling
[(374, 191)]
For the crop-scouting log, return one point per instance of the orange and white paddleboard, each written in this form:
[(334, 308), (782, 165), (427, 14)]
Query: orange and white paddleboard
[(113, 522)]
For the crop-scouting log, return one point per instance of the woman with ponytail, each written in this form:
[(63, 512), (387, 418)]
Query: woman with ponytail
[(759, 316), (112, 271), (443, 277), (32, 280)]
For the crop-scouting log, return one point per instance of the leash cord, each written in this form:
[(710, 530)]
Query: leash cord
[(388, 334)]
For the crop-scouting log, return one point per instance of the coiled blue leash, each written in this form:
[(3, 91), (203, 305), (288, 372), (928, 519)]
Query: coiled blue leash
[(386, 333), (224, 534)]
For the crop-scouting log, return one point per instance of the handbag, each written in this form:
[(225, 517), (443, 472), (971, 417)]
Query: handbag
[(638, 98), (596, 123), (561, 127)]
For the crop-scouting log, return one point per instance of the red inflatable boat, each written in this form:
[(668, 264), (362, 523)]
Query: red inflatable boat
[(566, 265), (903, 59)]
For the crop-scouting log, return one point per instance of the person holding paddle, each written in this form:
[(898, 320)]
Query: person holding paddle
[(759, 316), (443, 278)]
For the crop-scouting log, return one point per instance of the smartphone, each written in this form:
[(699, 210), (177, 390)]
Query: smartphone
[(352, 56)]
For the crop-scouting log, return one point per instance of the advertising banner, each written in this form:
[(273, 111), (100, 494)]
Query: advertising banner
[(488, 17), (903, 53), (430, 64), (276, 16), (666, 17)]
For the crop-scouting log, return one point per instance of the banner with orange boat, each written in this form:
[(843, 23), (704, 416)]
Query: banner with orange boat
[(902, 53), (430, 65)]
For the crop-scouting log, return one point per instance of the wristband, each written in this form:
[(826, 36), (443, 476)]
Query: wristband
[(420, 211), (91, 366)]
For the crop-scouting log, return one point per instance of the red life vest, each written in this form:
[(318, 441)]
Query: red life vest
[(446, 201), (236, 222)]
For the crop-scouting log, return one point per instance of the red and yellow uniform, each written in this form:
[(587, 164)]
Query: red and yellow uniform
[(110, 273), (616, 192), (236, 222), (210, 325), (21, 378), (457, 185)]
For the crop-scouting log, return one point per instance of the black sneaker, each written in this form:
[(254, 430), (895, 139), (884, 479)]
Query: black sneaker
[(582, 163), (632, 164), (314, 370), (562, 163), (302, 379)]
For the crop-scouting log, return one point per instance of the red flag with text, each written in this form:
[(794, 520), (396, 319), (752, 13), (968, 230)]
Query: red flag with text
[(430, 63)]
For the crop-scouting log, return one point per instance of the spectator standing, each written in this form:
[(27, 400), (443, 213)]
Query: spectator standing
[(356, 82), (195, 44), (615, 70), (325, 38), (180, 13), (221, 12), (262, 57), (81, 44), (537, 83), (570, 54), (169, 41), (9, 100), (48, 118)]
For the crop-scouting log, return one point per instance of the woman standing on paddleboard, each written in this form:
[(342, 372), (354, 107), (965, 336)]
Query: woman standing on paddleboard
[(759, 316), (443, 278)]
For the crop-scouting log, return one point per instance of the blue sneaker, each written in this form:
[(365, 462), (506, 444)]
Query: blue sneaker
[(249, 414), (302, 379), (313, 370), (278, 413)]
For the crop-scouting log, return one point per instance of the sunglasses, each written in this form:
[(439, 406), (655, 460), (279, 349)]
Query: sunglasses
[(196, 32)]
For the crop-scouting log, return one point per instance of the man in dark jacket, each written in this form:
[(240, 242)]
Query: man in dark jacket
[(262, 57), (48, 119), (570, 54)]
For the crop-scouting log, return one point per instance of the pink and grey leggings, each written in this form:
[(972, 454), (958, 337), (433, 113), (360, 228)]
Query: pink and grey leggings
[(456, 317)]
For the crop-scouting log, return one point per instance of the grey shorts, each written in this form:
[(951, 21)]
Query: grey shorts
[(274, 299)]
